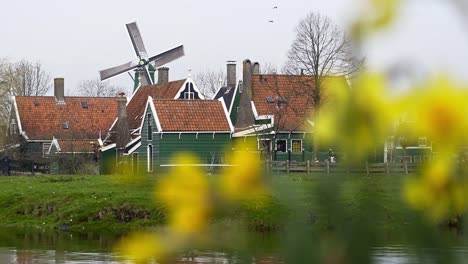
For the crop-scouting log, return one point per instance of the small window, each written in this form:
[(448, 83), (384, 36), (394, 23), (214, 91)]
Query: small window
[(422, 141), (281, 145), (36, 103), (150, 127), (270, 99), (150, 158), (84, 104), (189, 95), (65, 125), (296, 145), (264, 145), (281, 99), (241, 86), (45, 149)]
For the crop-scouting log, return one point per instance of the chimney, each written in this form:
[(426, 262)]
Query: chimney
[(59, 92), (231, 73), (123, 134), (256, 68), (163, 75), (245, 116)]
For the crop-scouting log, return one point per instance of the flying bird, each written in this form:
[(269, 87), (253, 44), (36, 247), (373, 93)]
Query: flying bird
[(275, 7), (271, 21)]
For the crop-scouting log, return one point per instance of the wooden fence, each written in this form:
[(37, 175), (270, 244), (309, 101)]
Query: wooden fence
[(327, 167), (24, 167)]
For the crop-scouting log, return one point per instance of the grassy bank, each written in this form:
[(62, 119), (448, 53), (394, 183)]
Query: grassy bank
[(95, 203), (77, 203)]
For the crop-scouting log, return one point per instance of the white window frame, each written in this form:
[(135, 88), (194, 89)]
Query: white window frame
[(150, 158), (191, 95), (276, 145), (149, 124), (45, 149), (260, 144), (300, 148)]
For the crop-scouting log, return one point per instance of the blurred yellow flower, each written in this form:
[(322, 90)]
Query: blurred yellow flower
[(142, 247), (243, 180), (440, 113), (359, 121), (377, 15), (439, 191), (189, 220), (185, 191)]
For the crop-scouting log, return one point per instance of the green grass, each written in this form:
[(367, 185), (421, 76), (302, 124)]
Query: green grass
[(77, 203), (95, 203)]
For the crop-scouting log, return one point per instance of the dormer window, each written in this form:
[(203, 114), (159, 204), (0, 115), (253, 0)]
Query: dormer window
[(65, 125), (270, 99), (189, 92), (189, 95), (84, 104)]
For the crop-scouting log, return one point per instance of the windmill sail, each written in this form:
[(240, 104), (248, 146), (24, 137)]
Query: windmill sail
[(141, 65), (137, 40), (168, 56), (111, 72)]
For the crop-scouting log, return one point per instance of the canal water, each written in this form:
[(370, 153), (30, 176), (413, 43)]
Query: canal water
[(41, 247)]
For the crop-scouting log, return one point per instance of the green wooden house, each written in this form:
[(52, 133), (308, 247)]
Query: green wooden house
[(201, 127)]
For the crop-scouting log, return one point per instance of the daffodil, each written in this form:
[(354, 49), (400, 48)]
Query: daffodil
[(142, 248), (244, 179), (360, 119), (439, 191), (439, 112), (186, 193)]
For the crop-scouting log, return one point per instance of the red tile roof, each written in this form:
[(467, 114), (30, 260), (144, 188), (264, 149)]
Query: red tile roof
[(42, 118), (137, 104), (192, 115), (294, 89)]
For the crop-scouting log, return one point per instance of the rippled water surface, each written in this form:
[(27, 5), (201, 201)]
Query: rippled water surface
[(37, 247)]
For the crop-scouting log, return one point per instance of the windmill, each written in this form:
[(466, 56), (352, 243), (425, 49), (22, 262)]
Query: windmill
[(145, 66)]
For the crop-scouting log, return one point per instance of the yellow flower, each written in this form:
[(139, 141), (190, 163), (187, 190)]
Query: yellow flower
[(379, 14), (359, 121), (189, 220), (440, 113), (439, 192), (185, 191), (243, 180), (142, 247)]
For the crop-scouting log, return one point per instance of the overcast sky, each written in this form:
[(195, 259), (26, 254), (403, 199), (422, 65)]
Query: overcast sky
[(76, 39)]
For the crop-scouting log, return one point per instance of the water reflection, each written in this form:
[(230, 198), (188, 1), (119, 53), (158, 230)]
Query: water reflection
[(36, 246), (381, 255)]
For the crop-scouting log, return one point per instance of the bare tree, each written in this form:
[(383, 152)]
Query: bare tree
[(26, 78), (321, 49), (269, 68), (97, 88), (23, 78), (209, 82)]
